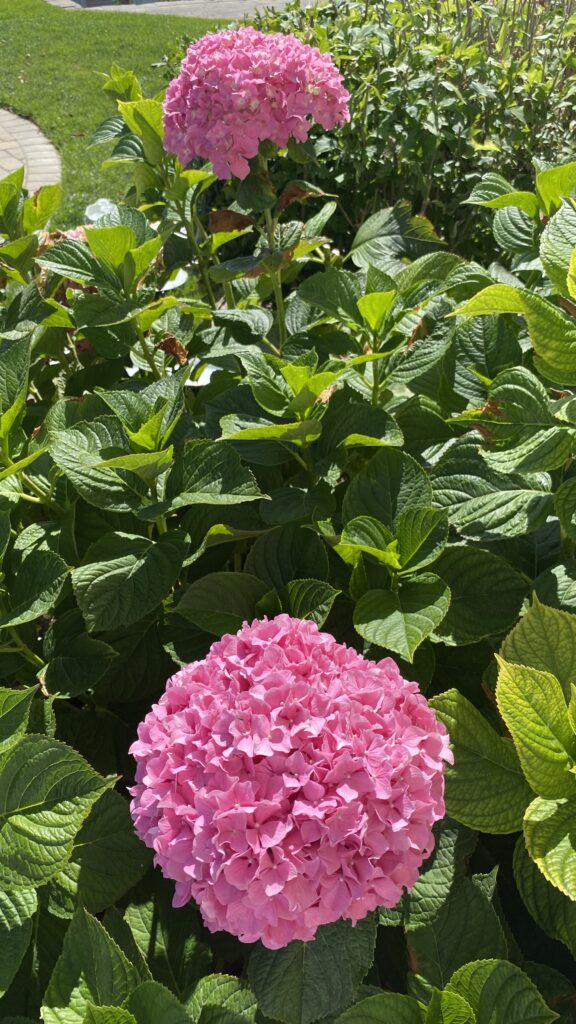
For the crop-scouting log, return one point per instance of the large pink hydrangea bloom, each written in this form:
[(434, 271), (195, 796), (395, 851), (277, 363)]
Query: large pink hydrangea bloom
[(238, 88), (285, 782)]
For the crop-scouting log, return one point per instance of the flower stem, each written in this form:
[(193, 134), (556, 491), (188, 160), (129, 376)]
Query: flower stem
[(276, 280)]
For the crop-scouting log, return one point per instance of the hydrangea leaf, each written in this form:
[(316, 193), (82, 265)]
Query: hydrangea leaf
[(386, 1008), (285, 554), (465, 928), (207, 473), (127, 577), (151, 1002), (422, 534), (107, 858), (310, 599), (108, 1015), (401, 620), (46, 792), (220, 602), (550, 908), (500, 993), (486, 591), (453, 847), (222, 992), (485, 788), (309, 980), (171, 939), (545, 639), (90, 969), (77, 451), (37, 587), (14, 712), (17, 911), (390, 483), (449, 1008), (533, 706), (551, 841)]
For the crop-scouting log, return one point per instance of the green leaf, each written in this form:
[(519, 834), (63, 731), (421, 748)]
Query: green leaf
[(364, 534), (39, 582), (554, 184), (90, 969), (171, 941), (14, 368), (151, 1003), (500, 993), (46, 792), (310, 599), (374, 307), (222, 992), (441, 873), (17, 910), (107, 858), (549, 832), (74, 261), (551, 909), (14, 712), (532, 704), (208, 473), (485, 789), (556, 246), (128, 578), (108, 1015), (75, 661), (335, 292), (449, 1008), (385, 1008), (222, 602), (389, 483), (297, 433), (494, 192), (565, 503), (78, 452), (144, 119), (307, 980), (285, 554), (545, 639), (40, 207), (400, 620), (111, 245), (422, 535), (487, 594), (465, 928), (551, 333)]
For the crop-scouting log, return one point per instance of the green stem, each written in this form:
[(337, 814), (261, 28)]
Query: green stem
[(276, 279), (189, 229), (147, 353), (23, 649)]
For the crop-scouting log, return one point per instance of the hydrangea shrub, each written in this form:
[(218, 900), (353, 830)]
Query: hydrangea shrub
[(329, 496)]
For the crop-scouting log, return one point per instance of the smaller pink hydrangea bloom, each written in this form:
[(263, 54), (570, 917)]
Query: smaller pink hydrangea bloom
[(285, 782), (241, 87)]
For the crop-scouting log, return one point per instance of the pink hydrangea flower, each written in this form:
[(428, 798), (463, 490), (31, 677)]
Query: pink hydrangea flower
[(238, 88), (285, 782)]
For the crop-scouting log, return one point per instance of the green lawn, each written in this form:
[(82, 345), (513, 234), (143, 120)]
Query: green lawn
[(48, 64)]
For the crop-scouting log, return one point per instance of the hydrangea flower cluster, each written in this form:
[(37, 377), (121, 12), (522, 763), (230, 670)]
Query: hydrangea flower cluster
[(240, 87), (285, 782)]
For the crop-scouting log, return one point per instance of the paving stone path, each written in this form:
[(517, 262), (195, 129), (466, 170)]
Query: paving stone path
[(21, 142)]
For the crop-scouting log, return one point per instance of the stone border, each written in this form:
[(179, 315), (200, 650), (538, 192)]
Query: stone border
[(22, 143)]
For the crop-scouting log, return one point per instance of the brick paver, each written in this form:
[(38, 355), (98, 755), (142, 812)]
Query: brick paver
[(22, 143)]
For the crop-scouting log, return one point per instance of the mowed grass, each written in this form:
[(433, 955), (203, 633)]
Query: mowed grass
[(49, 64)]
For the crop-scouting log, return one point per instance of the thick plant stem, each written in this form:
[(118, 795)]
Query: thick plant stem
[(24, 650), (277, 286)]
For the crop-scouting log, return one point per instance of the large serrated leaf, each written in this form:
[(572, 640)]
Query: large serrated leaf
[(500, 993), (46, 792), (401, 620), (128, 578), (90, 969), (309, 980), (486, 591), (17, 911), (549, 831), (390, 483), (485, 789), (550, 908), (533, 706)]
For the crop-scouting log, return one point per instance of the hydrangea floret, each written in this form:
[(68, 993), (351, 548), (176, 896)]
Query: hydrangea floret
[(285, 782), (241, 87)]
